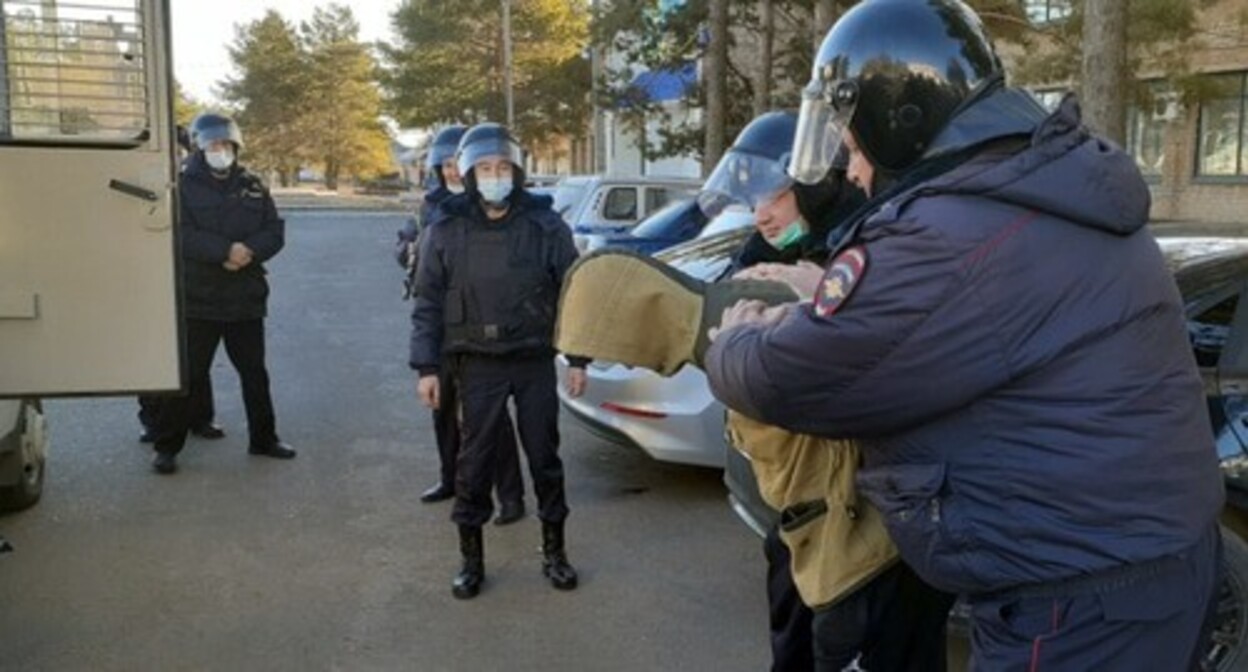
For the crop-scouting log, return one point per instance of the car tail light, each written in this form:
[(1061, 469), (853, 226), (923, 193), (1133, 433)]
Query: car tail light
[(635, 412)]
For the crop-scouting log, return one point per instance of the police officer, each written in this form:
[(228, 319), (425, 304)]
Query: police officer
[(894, 621), (486, 300), (229, 228), (1001, 333), (441, 163)]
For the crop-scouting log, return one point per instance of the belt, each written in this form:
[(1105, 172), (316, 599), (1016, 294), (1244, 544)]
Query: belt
[(1099, 582)]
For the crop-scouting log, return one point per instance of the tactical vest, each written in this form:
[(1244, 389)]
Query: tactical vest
[(501, 298)]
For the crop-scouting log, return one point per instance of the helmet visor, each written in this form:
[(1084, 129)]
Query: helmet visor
[(818, 143), (225, 130), (489, 148), (745, 178), (440, 153)]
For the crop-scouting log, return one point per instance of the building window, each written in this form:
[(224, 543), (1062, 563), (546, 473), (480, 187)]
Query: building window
[(1040, 12), (1146, 129), (1223, 151)]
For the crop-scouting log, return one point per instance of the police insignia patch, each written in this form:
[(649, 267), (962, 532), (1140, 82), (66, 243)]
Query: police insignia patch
[(840, 280)]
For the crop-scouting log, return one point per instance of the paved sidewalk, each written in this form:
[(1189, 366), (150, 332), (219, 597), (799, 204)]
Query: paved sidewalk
[(305, 198)]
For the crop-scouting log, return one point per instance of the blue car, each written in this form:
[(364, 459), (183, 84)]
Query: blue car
[(676, 223)]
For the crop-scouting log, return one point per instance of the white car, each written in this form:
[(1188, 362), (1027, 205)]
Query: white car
[(671, 419)]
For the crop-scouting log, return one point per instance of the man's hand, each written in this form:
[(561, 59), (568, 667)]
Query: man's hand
[(240, 255), (804, 277), (576, 381), (749, 311), (429, 391)]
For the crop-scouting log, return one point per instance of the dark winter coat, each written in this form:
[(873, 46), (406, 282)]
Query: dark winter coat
[(489, 287), (215, 214), (1014, 359)]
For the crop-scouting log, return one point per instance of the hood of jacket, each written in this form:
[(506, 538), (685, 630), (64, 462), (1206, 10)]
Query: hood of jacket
[(1060, 169)]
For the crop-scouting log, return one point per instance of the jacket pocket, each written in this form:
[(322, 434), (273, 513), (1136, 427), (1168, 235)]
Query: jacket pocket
[(905, 492), (801, 514)]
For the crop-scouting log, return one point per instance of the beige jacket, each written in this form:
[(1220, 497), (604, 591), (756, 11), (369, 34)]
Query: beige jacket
[(837, 539)]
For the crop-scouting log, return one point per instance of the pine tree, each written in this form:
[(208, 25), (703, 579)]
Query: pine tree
[(269, 92), (446, 64), (340, 123)]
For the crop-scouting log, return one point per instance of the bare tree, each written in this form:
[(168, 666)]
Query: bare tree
[(766, 46), (1104, 84), (716, 73)]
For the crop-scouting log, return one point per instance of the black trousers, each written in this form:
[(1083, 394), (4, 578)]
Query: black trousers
[(244, 343), (792, 638), (508, 484), (896, 622), (202, 409), (486, 385)]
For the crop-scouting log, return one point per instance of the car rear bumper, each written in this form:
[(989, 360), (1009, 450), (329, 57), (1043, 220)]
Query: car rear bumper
[(671, 420)]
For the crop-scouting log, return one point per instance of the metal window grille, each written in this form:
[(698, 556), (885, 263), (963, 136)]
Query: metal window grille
[(73, 70)]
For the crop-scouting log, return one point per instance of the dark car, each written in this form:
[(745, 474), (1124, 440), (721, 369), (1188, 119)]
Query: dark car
[(676, 223), (1212, 274)]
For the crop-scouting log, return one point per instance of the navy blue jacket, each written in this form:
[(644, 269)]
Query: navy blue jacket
[(1016, 363), (215, 214), (531, 223)]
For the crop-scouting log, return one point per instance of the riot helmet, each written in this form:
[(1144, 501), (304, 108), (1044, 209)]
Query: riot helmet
[(490, 141), (443, 149), (210, 127), (894, 72), (754, 169)]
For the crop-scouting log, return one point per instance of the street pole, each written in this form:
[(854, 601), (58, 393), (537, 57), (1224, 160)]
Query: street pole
[(507, 76)]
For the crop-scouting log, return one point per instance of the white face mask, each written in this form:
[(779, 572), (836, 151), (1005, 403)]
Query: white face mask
[(495, 190), (219, 160), (455, 188)]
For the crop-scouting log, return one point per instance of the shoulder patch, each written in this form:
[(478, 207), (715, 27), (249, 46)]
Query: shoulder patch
[(840, 280)]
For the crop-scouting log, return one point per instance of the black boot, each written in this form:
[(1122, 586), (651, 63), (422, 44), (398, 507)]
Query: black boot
[(554, 559), (468, 582)]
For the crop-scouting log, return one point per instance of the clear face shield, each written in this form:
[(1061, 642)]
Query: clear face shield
[(744, 178), (818, 146)]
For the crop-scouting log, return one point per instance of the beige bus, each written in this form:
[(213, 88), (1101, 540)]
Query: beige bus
[(89, 298)]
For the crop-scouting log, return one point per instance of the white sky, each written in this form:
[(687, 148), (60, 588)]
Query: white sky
[(202, 29)]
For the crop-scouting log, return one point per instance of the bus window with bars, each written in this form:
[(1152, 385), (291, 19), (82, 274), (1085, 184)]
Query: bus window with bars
[(73, 71)]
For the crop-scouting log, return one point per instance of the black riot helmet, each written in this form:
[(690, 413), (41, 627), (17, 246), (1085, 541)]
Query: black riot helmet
[(894, 72), (443, 149), (209, 127), (488, 141), (754, 169)]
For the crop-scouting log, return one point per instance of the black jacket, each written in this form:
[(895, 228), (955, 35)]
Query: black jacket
[(469, 301), (215, 214)]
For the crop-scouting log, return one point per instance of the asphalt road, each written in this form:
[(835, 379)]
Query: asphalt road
[(330, 562)]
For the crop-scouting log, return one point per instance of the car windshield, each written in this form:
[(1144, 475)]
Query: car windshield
[(672, 222), (568, 197)]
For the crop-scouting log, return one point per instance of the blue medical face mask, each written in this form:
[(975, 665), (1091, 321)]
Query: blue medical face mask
[(455, 188), (791, 235), (495, 190)]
